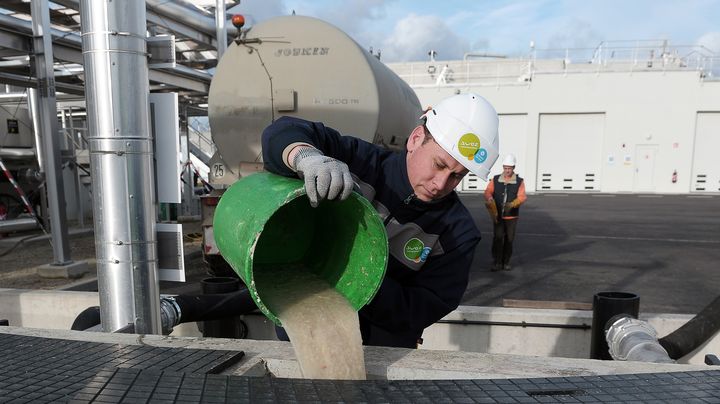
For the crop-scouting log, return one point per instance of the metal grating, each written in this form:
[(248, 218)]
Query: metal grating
[(42, 370), (142, 386)]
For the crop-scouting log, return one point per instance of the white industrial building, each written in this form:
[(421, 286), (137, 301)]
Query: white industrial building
[(635, 119), (103, 109)]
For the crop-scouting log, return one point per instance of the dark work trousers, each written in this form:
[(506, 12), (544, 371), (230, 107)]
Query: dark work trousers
[(504, 234)]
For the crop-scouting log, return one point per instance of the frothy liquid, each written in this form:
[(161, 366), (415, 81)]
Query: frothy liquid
[(322, 326)]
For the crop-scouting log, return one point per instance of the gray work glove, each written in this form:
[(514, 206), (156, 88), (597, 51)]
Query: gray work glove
[(325, 177)]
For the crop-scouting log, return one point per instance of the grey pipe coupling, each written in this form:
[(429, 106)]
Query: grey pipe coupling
[(630, 339), (170, 314)]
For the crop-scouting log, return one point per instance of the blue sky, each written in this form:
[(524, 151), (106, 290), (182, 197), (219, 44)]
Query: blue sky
[(406, 30)]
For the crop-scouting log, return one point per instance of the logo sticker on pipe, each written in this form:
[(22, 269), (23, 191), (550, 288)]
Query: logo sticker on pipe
[(468, 145), (415, 250)]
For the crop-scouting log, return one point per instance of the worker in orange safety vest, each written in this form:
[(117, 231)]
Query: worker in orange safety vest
[(503, 197)]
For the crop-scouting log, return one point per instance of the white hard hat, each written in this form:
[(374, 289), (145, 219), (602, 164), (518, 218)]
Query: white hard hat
[(466, 126), (510, 160)]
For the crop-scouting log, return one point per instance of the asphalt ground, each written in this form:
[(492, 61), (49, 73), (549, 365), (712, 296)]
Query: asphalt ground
[(568, 247)]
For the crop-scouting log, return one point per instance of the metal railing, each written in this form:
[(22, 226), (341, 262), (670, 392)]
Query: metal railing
[(199, 136), (608, 56)]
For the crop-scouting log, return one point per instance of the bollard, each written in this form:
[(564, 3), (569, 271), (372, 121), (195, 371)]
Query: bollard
[(607, 305), (266, 220)]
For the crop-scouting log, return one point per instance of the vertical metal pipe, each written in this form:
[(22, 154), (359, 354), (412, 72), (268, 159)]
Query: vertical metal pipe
[(47, 118), (67, 132), (220, 29), (32, 103), (78, 183), (34, 114), (188, 200), (63, 128), (121, 160)]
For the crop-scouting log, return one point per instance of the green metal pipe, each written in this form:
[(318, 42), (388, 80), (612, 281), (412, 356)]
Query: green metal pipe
[(266, 221)]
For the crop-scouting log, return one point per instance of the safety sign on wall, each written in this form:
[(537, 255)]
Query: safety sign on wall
[(13, 128)]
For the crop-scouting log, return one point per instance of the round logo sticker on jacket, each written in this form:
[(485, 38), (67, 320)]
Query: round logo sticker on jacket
[(468, 145), (415, 250)]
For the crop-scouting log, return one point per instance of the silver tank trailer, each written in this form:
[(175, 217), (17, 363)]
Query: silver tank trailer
[(304, 67)]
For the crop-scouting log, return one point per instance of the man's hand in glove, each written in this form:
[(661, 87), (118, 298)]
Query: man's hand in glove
[(511, 205), (492, 209), (325, 177)]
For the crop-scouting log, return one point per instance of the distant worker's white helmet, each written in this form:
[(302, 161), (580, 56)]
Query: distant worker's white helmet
[(466, 126), (510, 160)]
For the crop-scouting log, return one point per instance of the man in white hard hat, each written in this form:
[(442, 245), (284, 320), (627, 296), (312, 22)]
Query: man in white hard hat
[(431, 235), (503, 197)]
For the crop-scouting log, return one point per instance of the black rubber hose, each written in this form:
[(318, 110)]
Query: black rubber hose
[(214, 306), (193, 308), (693, 333), (87, 318)]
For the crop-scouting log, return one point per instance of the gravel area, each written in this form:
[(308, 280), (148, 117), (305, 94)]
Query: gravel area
[(19, 260)]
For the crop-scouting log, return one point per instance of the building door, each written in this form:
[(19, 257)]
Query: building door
[(705, 169), (570, 152), (644, 167)]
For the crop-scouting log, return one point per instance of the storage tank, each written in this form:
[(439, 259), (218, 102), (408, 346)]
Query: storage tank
[(304, 67)]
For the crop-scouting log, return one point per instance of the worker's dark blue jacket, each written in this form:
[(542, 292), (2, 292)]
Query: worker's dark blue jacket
[(431, 243)]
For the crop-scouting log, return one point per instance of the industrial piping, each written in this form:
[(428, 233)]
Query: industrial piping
[(180, 309), (175, 310), (630, 339), (607, 306), (34, 114), (121, 159), (178, 10), (188, 15), (693, 333)]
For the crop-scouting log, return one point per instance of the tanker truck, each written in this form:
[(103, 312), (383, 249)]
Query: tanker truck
[(303, 67)]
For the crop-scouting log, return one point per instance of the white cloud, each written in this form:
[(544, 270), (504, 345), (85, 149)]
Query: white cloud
[(711, 41), (574, 34), (415, 35), (510, 26), (504, 27), (353, 15), (516, 15)]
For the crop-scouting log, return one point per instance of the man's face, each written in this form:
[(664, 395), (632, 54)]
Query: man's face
[(508, 171), (433, 173)]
